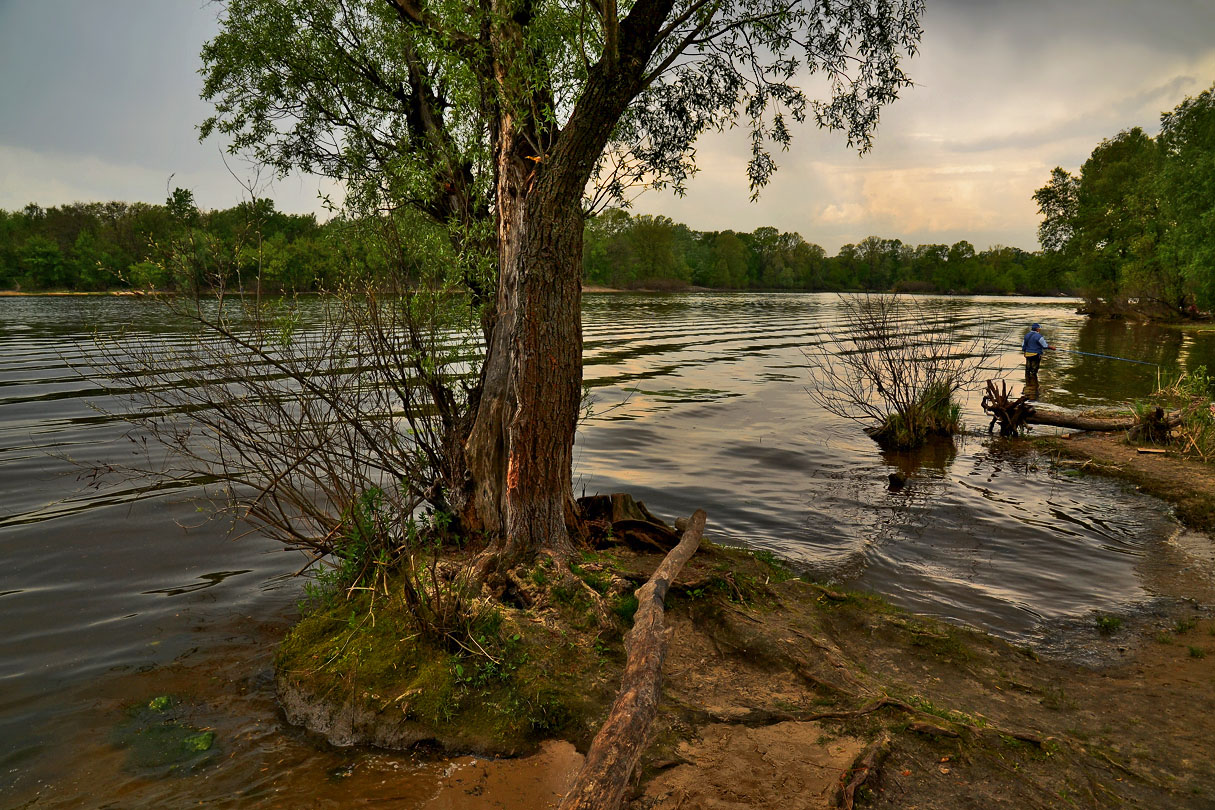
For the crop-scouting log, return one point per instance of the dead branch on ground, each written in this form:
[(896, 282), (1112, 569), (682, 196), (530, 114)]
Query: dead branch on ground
[(616, 749)]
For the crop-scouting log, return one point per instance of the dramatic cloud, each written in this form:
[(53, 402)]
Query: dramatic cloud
[(1005, 92), (99, 100)]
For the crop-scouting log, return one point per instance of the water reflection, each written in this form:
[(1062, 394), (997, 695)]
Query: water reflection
[(206, 581), (936, 456), (699, 402), (1032, 388)]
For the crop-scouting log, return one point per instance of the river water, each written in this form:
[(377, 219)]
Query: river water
[(111, 597)]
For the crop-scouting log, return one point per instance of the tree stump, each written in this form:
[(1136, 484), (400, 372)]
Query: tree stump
[(1011, 415)]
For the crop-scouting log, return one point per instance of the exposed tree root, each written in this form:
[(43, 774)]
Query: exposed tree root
[(864, 765)]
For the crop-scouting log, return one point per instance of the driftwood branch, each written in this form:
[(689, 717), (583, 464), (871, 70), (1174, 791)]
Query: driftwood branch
[(1068, 420), (615, 751)]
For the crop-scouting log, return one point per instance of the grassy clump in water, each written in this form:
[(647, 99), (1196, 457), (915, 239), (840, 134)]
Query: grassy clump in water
[(932, 413)]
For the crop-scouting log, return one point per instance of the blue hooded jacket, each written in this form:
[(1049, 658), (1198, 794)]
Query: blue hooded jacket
[(1034, 343)]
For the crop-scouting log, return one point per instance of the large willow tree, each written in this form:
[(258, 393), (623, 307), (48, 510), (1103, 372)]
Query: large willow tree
[(504, 122)]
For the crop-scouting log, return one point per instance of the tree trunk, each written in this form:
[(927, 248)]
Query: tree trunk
[(520, 450), (1096, 423)]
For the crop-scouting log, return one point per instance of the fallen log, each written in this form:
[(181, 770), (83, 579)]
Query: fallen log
[(616, 749), (1038, 416), (1013, 415)]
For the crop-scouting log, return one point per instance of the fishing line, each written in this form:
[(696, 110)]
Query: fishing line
[(1109, 357)]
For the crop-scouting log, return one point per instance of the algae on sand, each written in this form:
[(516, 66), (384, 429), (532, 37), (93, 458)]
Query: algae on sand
[(157, 738)]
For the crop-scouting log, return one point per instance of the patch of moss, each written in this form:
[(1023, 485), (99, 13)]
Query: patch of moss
[(596, 579), (776, 567), (928, 707), (625, 606), (512, 683)]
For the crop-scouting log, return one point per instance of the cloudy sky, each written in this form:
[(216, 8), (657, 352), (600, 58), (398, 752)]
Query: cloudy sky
[(99, 101)]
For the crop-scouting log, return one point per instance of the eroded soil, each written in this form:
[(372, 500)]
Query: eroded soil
[(972, 721)]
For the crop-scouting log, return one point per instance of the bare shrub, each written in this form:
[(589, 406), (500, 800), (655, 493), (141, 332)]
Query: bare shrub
[(333, 424), (896, 366)]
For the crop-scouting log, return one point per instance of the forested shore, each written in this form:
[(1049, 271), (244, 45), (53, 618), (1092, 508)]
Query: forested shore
[(1130, 231), (95, 246), (117, 245)]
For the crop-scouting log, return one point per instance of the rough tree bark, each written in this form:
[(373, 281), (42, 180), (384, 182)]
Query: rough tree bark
[(520, 447), (1077, 422)]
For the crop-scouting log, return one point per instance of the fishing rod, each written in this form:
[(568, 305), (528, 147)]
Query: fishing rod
[(1108, 357)]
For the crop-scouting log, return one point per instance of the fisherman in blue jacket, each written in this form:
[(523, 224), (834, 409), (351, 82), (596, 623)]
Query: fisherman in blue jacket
[(1033, 346)]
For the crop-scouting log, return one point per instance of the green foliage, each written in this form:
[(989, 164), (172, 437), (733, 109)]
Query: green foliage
[(1187, 139), (1108, 625), (40, 264), (1135, 223), (410, 104), (657, 253), (1192, 394), (377, 545), (114, 245), (104, 246)]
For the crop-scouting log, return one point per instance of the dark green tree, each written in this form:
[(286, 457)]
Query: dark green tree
[(1187, 139), (1119, 224), (727, 263), (493, 118), (40, 264), (1057, 205)]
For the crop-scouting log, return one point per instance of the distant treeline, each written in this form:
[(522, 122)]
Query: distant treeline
[(103, 246), (1137, 223), (653, 251)]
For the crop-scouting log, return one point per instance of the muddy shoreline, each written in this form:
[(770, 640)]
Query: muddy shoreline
[(1185, 483), (777, 690)]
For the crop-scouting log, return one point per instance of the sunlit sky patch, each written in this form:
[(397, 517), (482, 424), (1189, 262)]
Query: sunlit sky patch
[(99, 101)]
